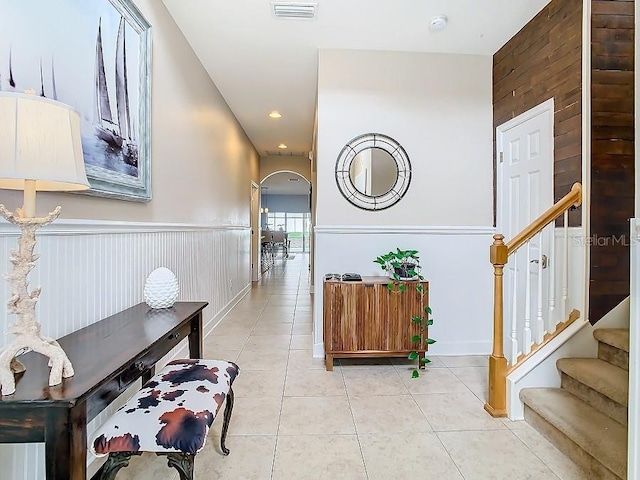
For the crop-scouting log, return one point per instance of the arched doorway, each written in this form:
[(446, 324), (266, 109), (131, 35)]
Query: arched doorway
[(285, 211)]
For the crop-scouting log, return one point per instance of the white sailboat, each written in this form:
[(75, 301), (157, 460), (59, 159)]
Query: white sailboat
[(12, 83), (130, 149), (106, 129), (53, 81)]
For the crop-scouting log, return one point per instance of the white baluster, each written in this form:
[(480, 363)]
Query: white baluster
[(565, 268), (527, 304), (552, 280), (514, 316), (539, 319)]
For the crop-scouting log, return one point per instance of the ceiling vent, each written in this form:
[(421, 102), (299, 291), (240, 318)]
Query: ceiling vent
[(280, 153), (294, 10)]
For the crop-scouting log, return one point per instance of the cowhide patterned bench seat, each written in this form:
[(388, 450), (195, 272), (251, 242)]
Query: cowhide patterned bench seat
[(171, 415)]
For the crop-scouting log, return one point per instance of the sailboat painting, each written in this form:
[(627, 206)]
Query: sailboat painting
[(94, 56), (115, 131)]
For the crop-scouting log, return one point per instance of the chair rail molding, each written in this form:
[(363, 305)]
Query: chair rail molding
[(404, 229), (95, 227)]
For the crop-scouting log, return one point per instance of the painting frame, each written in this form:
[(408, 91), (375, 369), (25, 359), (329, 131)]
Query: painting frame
[(105, 183), (95, 57)]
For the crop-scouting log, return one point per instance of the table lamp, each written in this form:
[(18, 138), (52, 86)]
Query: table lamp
[(40, 149)]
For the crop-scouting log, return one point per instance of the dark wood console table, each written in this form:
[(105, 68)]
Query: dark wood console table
[(107, 357)]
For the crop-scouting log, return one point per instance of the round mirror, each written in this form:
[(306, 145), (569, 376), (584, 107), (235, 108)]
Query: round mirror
[(373, 171)]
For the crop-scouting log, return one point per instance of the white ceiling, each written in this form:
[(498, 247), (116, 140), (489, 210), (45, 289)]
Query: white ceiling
[(262, 63)]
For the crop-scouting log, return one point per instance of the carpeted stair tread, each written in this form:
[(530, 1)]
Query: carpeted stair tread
[(616, 337), (598, 435), (601, 376)]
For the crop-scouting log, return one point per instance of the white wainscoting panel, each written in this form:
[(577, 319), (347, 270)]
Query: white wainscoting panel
[(90, 270), (455, 261)]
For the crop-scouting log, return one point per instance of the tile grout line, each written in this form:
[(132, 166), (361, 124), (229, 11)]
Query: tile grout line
[(286, 375), (355, 426), (437, 433), (538, 456)]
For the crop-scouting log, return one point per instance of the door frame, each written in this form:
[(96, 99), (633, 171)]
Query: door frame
[(255, 228), (633, 441), (545, 107)]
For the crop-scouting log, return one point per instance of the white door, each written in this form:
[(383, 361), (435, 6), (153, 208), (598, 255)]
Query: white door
[(524, 191)]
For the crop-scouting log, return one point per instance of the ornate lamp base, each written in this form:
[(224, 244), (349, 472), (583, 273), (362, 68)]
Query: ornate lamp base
[(23, 303), (58, 360)]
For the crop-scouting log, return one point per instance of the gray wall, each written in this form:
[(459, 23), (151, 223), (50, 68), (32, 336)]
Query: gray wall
[(287, 203)]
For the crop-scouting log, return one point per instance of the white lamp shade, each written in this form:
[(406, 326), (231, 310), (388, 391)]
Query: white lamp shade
[(40, 140)]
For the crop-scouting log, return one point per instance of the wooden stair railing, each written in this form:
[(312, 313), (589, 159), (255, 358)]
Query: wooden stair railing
[(499, 255)]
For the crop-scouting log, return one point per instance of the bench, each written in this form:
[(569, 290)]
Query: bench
[(171, 416)]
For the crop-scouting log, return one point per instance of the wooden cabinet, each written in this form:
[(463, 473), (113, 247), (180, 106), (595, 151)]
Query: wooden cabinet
[(365, 319)]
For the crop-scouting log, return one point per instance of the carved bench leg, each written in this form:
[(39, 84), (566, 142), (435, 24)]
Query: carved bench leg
[(227, 416), (182, 462), (114, 463)]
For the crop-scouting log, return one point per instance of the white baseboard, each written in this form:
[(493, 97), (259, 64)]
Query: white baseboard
[(207, 328), (213, 323), (445, 349)]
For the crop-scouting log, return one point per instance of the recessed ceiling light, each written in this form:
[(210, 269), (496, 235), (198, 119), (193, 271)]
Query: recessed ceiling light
[(282, 145), (275, 114)]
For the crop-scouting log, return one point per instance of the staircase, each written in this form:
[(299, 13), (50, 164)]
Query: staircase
[(587, 417)]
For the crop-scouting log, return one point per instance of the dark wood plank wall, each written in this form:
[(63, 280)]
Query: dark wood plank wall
[(612, 158), (542, 61)]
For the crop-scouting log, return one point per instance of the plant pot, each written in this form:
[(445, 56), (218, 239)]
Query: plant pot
[(403, 271)]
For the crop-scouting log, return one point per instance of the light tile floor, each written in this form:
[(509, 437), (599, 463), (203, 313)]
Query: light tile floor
[(365, 420)]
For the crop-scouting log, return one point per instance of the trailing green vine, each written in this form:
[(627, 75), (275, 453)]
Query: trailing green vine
[(403, 266)]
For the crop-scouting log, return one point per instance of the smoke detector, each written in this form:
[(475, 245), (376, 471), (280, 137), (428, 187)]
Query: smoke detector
[(438, 22), (296, 10)]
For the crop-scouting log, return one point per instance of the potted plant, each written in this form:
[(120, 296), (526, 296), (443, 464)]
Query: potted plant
[(403, 267)]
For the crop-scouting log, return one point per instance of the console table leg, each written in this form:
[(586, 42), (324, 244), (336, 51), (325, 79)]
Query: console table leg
[(66, 443), (328, 359), (195, 337)]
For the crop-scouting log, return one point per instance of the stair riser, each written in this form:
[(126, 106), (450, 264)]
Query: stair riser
[(591, 466), (598, 401), (613, 355)]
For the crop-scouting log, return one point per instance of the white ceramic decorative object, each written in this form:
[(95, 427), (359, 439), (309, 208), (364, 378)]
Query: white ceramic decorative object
[(161, 288)]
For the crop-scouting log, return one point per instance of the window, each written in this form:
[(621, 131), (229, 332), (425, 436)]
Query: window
[(295, 224)]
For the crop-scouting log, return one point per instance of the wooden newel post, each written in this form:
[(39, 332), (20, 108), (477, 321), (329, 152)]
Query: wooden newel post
[(497, 403)]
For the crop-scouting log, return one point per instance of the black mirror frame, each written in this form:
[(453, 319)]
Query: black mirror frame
[(343, 168)]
